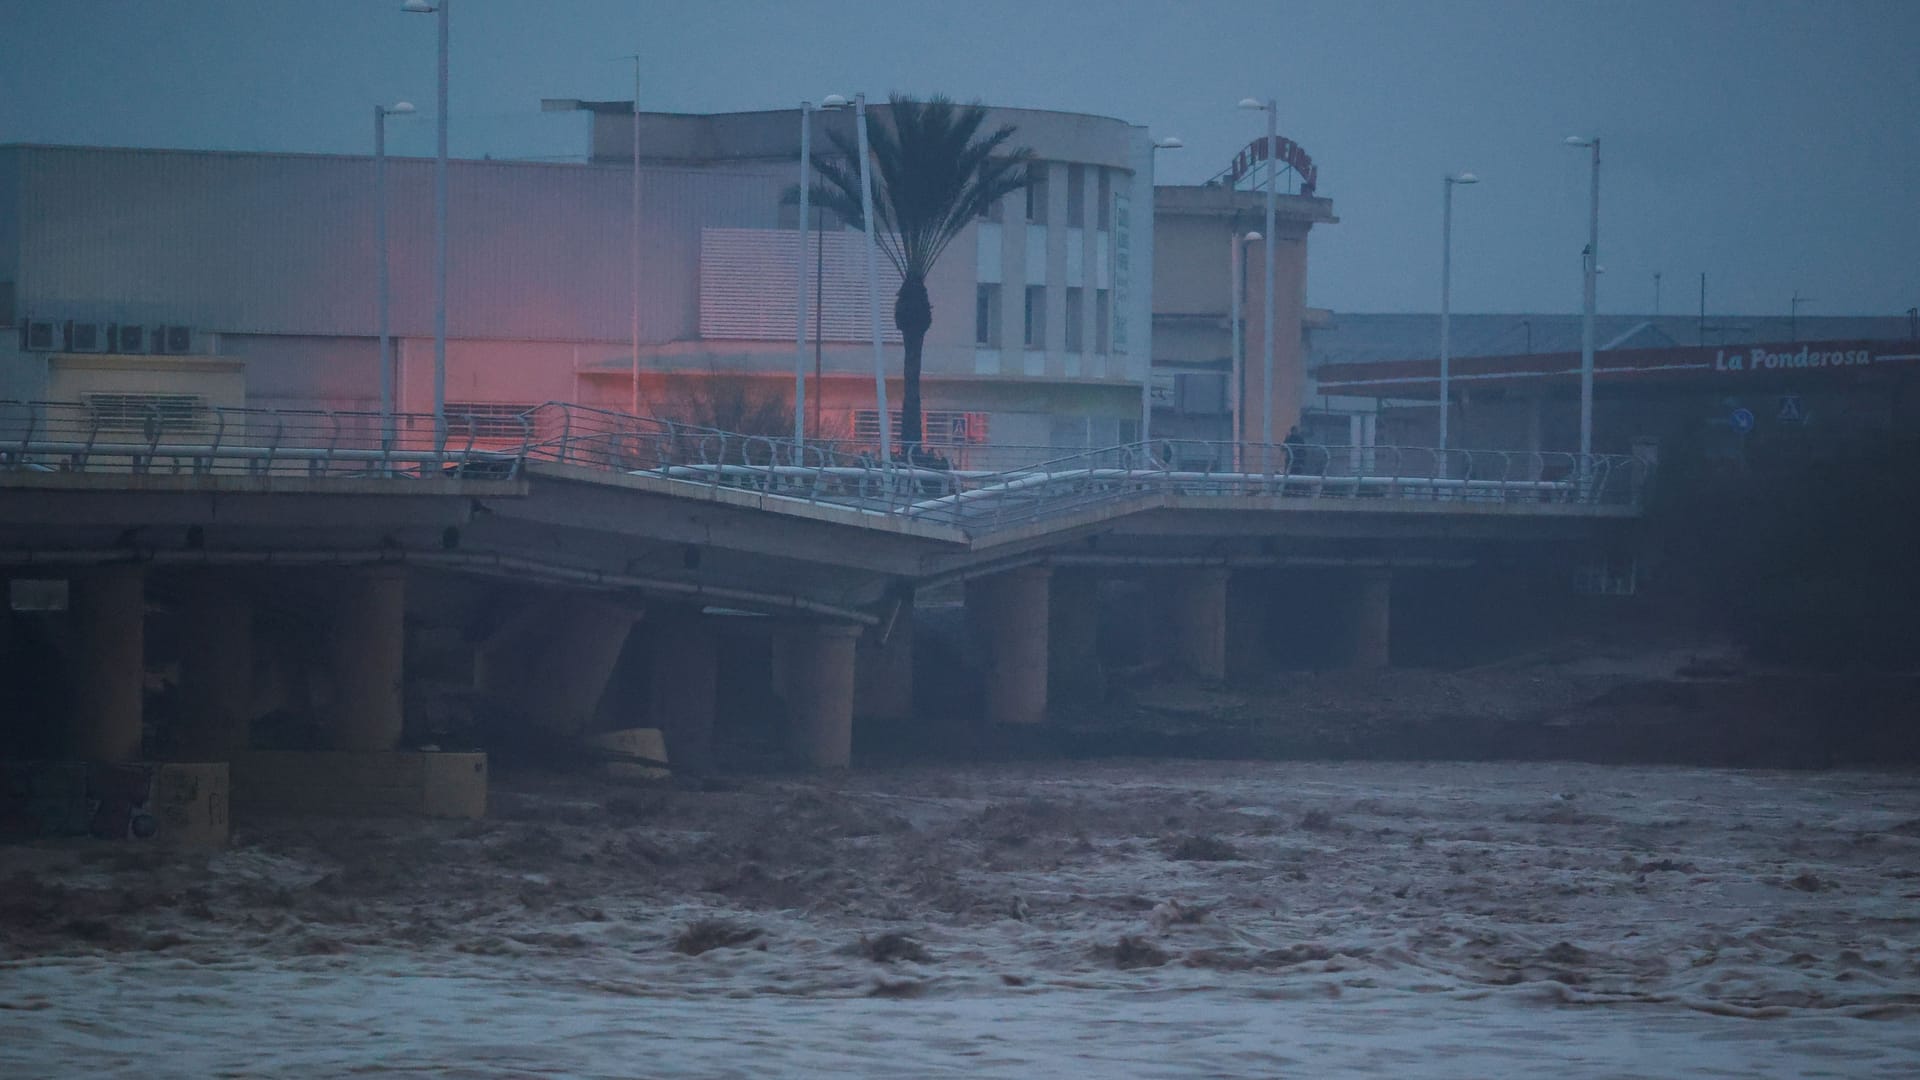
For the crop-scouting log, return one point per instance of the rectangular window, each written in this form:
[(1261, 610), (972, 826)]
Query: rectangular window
[(939, 427), (986, 316), (1037, 193), (993, 211), (148, 412), (486, 420), (1102, 321), (1036, 335), (1076, 320), (1103, 201), (1076, 195)]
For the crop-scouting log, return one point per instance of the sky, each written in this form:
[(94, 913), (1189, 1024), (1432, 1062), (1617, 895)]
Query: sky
[(1771, 145)]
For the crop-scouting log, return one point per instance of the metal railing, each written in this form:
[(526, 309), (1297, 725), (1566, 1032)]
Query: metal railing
[(929, 488), (1042, 484), (175, 437)]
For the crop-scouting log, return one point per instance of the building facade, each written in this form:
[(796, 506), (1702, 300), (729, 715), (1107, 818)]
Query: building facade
[(256, 275)]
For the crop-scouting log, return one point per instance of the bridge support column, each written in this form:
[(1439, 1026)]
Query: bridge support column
[(216, 669), (108, 609), (1368, 620), (1009, 612), (1197, 621), (1074, 674), (682, 683), (819, 685), (367, 646), (567, 672)]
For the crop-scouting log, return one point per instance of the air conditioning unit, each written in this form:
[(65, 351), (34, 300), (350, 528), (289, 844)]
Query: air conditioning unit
[(86, 337), (39, 335), (173, 340), (129, 338)]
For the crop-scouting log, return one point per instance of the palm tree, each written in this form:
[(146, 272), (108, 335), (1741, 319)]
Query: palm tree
[(935, 173)]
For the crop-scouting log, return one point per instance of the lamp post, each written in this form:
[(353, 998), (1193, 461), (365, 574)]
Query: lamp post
[(1169, 142), (423, 7), (832, 102), (1793, 314), (633, 241), (1592, 275), (380, 114), (1446, 300), (1272, 108), (873, 281), (1237, 284)]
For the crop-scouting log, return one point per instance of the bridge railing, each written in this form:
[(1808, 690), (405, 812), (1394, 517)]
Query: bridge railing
[(1048, 483), (148, 435)]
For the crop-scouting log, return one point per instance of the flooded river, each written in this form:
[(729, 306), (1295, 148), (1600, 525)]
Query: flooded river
[(1095, 919)]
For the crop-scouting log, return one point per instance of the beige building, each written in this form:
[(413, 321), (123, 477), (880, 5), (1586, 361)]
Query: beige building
[(1196, 394)]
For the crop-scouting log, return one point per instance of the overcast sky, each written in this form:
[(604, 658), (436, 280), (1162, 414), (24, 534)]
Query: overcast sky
[(1771, 145)]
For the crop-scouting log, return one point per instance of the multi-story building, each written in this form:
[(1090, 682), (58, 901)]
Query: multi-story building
[(202, 278)]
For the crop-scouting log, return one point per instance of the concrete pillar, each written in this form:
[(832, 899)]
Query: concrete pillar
[(1009, 613), (1197, 621), (681, 685), (819, 687), (883, 672), (1073, 638), (107, 609), (216, 668), (366, 647), (571, 665), (1368, 620)]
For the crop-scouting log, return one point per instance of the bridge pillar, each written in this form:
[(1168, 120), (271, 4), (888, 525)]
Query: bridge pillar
[(216, 668), (1197, 621), (566, 671), (107, 608), (1010, 614), (1074, 674), (366, 646), (1368, 620), (819, 685), (682, 683)]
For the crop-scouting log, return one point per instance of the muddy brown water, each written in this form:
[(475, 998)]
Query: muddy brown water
[(1114, 918)]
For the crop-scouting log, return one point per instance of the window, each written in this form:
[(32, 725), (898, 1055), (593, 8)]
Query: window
[(1103, 201), (994, 212), (1036, 335), (484, 420), (147, 412), (939, 427), (1102, 321), (1037, 193), (1076, 320), (1076, 195), (986, 316)]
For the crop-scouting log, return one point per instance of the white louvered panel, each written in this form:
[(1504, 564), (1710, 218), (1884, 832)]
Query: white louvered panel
[(747, 286)]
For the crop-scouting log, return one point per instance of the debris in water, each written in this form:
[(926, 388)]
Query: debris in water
[(703, 935)]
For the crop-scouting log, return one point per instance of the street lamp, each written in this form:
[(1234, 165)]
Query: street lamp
[(380, 114), (1168, 142), (633, 242), (1236, 285), (873, 275), (1446, 299), (1272, 108), (1591, 278), (422, 7), (831, 103)]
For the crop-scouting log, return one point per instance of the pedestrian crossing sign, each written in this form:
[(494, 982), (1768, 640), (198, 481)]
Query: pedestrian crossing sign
[(1792, 410)]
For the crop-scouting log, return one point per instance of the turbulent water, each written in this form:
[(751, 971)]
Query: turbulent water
[(1113, 919)]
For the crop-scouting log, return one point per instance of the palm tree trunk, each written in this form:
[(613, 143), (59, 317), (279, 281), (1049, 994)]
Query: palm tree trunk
[(912, 314)]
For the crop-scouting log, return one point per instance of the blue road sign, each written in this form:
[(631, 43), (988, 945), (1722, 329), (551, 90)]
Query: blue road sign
[(1742, 420)]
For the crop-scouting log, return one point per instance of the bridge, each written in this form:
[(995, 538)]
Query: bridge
[(514, 559)]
